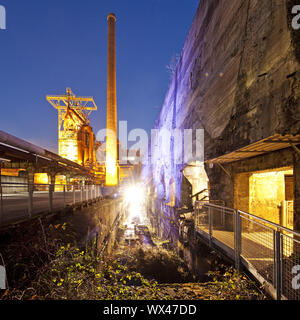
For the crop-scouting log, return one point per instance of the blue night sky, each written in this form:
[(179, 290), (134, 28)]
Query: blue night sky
[(53, 44)]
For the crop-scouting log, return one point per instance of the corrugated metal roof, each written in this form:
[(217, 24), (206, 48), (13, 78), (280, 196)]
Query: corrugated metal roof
[(272, 143)]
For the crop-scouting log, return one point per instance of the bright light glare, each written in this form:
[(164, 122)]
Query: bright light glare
[(135, 197), (69, 149)]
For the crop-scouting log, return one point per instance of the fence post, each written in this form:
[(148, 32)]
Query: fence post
[(223, 217), (278, 264), (30, 200), (65, 195), (74, 195), (210, 226), (1, 195), (274, 258), (1, 203), (50, 198), (195, 215), (238, 240)]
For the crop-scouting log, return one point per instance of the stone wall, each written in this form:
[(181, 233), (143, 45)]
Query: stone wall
[(238, 79), (107, 215)]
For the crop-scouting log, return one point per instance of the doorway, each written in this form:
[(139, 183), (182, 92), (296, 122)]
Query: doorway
[(267, 194)]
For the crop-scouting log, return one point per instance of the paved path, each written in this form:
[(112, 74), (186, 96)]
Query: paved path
[(15, 207)]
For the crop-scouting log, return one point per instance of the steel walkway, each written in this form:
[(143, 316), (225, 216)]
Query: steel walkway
[(269, 251)]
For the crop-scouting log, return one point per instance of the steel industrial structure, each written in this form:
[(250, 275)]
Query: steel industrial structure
[(73, 116), (76, 140), (82, 105)]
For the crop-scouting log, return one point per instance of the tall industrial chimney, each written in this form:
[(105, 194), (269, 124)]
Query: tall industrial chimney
[(111, 139)]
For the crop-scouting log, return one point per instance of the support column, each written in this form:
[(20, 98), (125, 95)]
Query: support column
[(51, 176), (74, 195), (30, 175), (1, 195), (82, 184), (30, 179), (68, 181)]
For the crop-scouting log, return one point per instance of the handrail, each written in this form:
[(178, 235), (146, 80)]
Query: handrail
[(42, 184), (27, 208), (275, 225), (269, 253), (203, 198), (198, 193)]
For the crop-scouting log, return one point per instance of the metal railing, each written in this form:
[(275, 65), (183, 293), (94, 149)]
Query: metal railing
[(21, 201), (269, 251)]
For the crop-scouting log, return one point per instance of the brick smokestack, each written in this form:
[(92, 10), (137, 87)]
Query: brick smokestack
[(111, 139)]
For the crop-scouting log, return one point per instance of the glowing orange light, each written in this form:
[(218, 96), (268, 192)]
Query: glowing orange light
[(68, 149), (41, 178), (111, 169)]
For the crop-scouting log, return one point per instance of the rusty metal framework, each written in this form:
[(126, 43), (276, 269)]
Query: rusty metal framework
[(73, 116), (83, 106)]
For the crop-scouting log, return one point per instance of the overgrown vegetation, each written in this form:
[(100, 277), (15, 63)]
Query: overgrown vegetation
[(79, 275), (231, 285), (157, 263), (49, 265), (45, 260)]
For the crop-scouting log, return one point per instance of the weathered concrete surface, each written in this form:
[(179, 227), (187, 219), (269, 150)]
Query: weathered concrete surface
[(107, 214), (235, 77), (238, 79)]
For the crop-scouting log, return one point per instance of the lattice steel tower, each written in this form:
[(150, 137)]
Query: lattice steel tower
[(75, 135)]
